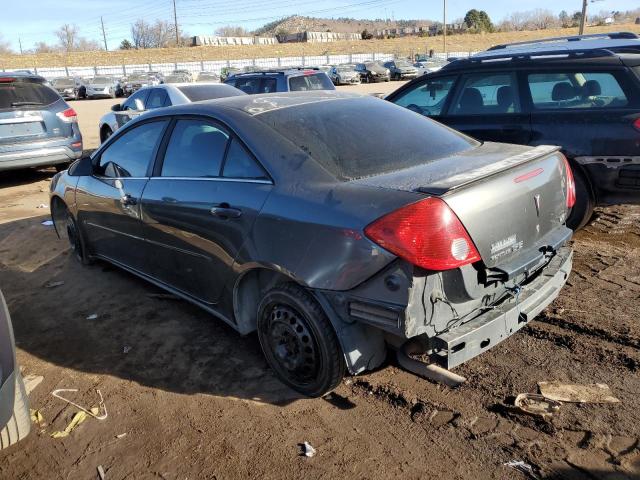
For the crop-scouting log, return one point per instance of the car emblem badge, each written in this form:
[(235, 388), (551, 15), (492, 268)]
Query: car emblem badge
[(536, 200)]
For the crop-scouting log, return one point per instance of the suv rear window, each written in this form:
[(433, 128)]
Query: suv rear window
[(575, 90), (392, 138), (317, 81), (197, 93), (21, 93)]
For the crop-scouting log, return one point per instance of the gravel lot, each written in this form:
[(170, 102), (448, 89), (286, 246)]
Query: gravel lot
[(196, 400)]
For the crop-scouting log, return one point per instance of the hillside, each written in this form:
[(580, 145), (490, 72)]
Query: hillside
[(296, 24), (398, 46)]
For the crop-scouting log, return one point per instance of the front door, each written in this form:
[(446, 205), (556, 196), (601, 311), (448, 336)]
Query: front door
[(109, 201), (200, 207)]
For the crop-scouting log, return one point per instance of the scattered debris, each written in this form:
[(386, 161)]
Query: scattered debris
[(536, 405), (93, 316), (53, 284), (77, 419), (31, 382), (522, 467), (164, 296), (36, 417), (573, 393), (307, 449), (122, 435), (101, 472), (99, 413), (47, 223), (42, 205), (126, 349)]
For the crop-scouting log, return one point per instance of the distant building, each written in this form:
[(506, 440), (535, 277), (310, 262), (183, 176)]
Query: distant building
[(318, 37), (214, 40), (436, 29)]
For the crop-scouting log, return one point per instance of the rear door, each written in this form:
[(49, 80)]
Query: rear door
[(200, 206), (109, 201), (590, 112), (487, 106)]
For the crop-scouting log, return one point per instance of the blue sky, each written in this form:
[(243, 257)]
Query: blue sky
[(40, 18)]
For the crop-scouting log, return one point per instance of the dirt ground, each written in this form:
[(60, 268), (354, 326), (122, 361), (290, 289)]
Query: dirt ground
[(196, 400)]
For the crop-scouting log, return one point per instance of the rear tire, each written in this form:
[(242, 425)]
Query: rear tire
[(298, 341), (105, 134), (19, 424), (582, 211)]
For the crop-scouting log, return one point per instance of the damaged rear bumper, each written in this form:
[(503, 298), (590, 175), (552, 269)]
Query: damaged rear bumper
[(462, 343)]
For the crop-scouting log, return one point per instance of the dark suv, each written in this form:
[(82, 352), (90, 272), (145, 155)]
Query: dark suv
[(287, 80), (582, 93), (37, 127)]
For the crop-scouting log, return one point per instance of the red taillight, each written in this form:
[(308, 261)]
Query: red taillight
[(426, 233), (636, 124), (7, 80), (571, 184), (69, 115)]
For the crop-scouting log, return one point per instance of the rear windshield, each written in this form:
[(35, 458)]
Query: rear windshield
[(317, 81), (196, 93), (26, 94), (375, 67), (361, 137)]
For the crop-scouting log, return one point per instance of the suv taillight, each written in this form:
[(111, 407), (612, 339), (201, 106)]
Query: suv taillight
[(427, 234), (571, 184), (636, 124), (69, 115)]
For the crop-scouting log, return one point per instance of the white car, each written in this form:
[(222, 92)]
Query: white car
[(158, 96), (428, 66)]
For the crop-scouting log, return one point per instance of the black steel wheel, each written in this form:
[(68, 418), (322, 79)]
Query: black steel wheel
[(299, 342)]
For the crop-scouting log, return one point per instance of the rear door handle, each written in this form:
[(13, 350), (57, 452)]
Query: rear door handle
[(224, 211)]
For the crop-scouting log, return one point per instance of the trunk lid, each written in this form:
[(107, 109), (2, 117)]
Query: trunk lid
[(510, 198)]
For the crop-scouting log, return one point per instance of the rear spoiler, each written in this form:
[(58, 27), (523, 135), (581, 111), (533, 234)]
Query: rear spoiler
[(467, 178)]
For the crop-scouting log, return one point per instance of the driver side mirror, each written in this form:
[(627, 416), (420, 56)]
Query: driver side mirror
[(82, 167), (116, 108)]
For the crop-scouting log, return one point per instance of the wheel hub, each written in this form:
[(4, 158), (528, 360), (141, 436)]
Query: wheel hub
[(292, 343)]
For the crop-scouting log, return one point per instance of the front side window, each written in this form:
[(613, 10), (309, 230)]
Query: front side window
[(427, 98), (196, 149), (240, 164), (575, 90), (249, 85), (487, 93), (136, 101), (157, 99), (131, 154)]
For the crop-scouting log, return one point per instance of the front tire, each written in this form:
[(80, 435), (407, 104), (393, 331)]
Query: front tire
[(298, 341), (19, 424), (76, 240), (582, 211)]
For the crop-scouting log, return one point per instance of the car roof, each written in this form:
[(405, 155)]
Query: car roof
[(281, 71), (579, 47), (261, 103), (23, 75)]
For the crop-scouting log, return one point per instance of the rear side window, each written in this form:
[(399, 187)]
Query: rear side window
[(334, 134), (486, 94), (239, 164), (317, 81), (427, 98), (19, 93), (250, 85), (196, 149), (575, 90), (136, 101), (131, 153)]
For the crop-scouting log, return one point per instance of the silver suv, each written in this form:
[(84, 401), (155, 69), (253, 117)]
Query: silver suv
[(37, 127)]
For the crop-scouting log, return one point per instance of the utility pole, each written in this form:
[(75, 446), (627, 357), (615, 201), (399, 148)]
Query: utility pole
[(175, 19), (104, 36), (444, 27), (583, 18), (20, 44)]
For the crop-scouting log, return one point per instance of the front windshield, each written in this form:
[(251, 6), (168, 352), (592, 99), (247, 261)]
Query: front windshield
[(345, 69), (139, 77), (63, 82), (99, 80)]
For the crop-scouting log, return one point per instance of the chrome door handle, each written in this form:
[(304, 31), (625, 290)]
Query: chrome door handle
[(128, 200), (225, 212)]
